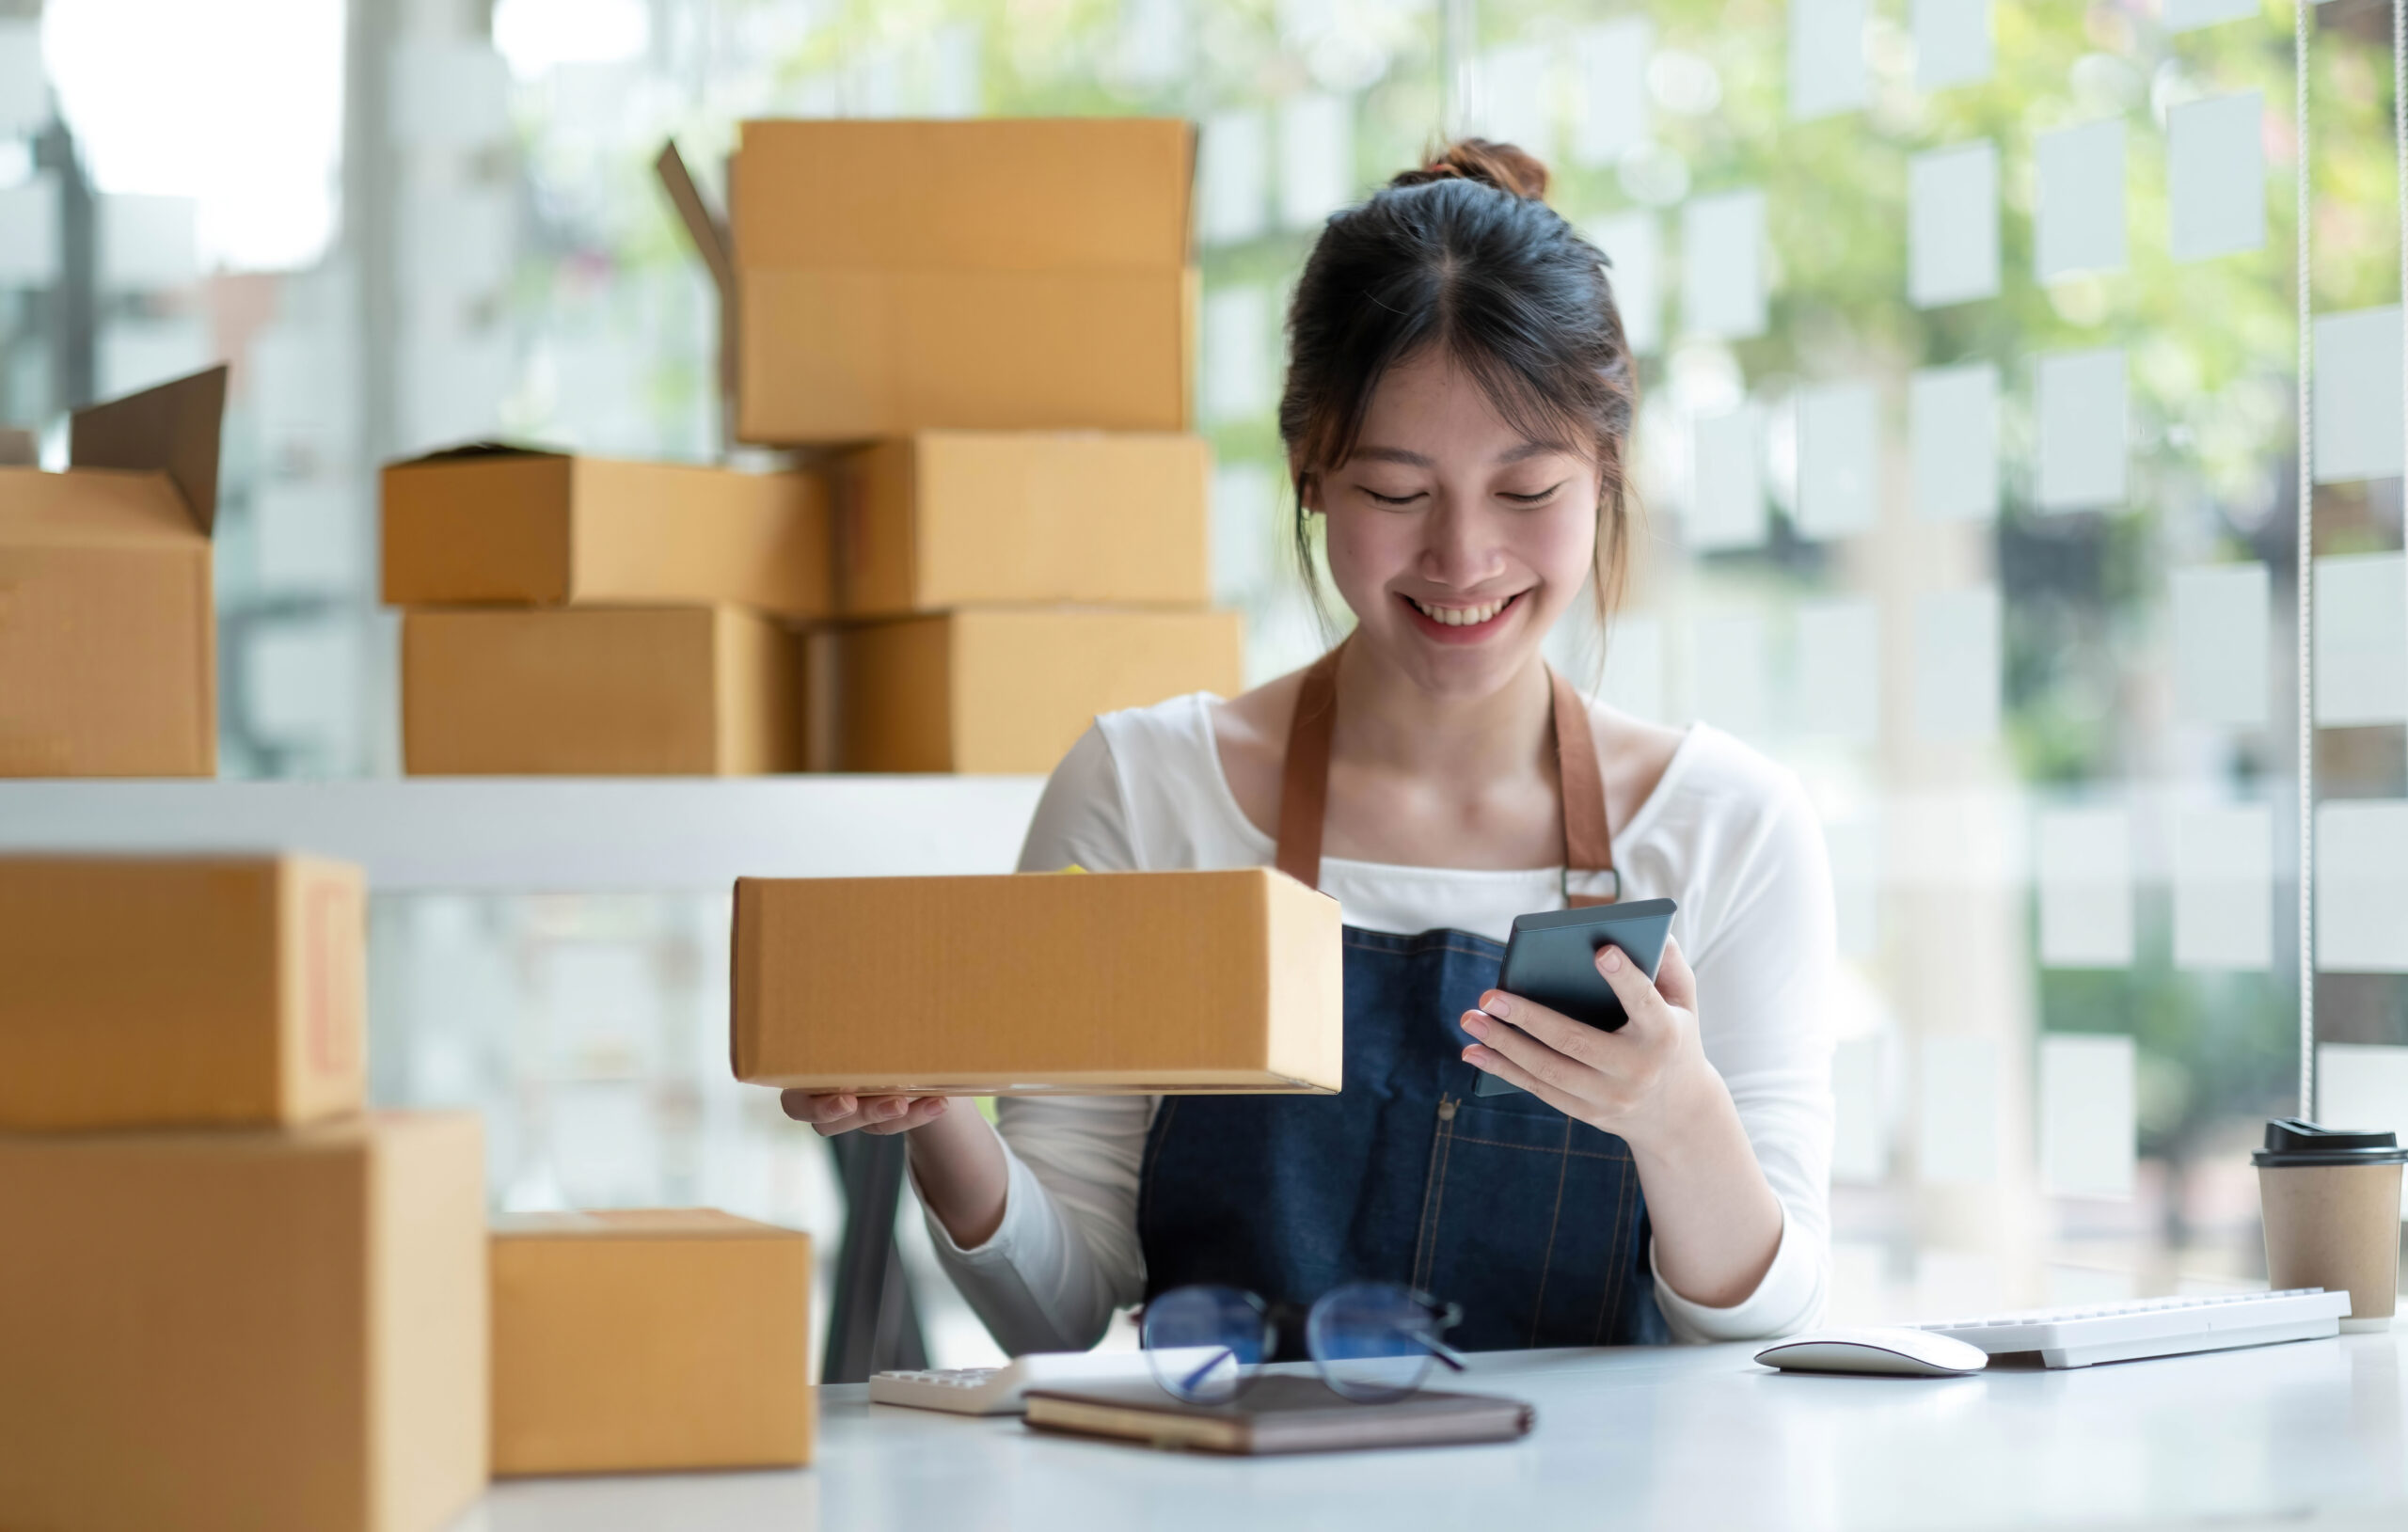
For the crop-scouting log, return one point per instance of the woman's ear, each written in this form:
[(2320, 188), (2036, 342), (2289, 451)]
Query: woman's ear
[(1308, 493)]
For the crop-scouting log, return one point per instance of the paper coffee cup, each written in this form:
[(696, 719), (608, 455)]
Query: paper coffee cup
[(2331, 1199)]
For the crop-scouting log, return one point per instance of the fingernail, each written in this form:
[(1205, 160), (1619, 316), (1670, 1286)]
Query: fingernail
[(1496, 1003), (1478, 1057), (1475, 1024), (1611, 960), (936, 1109), (845, 1103)]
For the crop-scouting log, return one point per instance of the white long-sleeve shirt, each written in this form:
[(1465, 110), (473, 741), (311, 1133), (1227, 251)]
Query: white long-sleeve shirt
[(1726, 833)]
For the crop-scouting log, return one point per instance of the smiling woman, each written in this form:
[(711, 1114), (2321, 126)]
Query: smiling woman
[(1457, 410)]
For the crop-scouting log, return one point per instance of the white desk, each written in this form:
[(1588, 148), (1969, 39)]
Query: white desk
[(2310, 1434)]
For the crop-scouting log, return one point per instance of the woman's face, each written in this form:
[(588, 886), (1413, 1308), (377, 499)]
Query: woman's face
[(1456, 539)]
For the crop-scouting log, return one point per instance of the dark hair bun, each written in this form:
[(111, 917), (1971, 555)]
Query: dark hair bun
[(1502, 165)]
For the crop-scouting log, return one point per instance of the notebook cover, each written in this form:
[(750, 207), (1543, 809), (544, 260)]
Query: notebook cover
[(1281, 1413)]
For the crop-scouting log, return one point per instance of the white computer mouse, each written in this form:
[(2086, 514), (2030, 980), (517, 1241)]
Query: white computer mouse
[(1893, 1354)]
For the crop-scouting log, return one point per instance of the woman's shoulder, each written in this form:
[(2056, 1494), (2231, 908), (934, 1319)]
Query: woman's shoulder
[(1142, 790), (1714, 783)]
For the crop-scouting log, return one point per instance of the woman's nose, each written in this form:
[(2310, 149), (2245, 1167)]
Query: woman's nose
[(1458, 548)]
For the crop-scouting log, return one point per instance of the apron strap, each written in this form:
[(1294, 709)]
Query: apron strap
[(1304, 783), (1588, 847), (1304, 779)]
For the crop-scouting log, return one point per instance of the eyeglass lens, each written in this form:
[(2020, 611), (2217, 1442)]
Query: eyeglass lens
[(1204, 1343), (1373, 1340)]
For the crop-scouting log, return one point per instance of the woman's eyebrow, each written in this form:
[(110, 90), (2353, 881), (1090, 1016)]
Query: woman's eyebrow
[(1393, 454), (1530, 449)]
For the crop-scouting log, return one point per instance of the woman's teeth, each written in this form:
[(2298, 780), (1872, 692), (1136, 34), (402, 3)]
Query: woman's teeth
[(1460, 616)]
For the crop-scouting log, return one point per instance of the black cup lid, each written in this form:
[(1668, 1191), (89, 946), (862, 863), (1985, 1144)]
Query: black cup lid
[(2295, 1140)]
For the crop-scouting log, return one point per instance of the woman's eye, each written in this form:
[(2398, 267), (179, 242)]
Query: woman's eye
[(1378, 499), (1534, 498)]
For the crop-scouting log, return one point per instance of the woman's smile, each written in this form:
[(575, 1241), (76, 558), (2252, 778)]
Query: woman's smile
[(1459, 622)]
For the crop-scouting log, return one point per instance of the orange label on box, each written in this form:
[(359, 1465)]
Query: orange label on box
[(328, 979)]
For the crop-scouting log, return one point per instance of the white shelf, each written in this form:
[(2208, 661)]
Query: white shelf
[(550, 834)]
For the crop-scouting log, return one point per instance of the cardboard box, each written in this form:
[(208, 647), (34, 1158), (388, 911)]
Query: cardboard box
[(999, 690), (883, 277), (108, 631), (624, 1341), (181, 991), (605, 691), (956, 518), (1038, 982), (244, 1332), (525, 528)]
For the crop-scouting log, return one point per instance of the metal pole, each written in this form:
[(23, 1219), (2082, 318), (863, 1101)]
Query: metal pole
[(74, 337), (2306, 570), (872, 1324)]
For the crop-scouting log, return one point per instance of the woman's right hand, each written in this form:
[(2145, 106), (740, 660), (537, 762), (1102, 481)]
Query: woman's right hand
[(958, 1164), (843, 1111)]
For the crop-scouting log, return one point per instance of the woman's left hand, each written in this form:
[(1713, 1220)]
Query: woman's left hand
[(1630, 1081)]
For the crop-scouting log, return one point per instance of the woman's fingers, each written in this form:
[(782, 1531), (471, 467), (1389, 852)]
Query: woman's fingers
[(1641, 1000), (818, 1107), (918, 1113), (1675, 980), (1493, 1060), (842, 1112), (1541, 1040)]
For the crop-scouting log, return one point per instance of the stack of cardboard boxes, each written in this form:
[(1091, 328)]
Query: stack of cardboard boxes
[(981, 336), (108, 630), (230, 1300), (573, 614), (233, 1298), (986, 329)]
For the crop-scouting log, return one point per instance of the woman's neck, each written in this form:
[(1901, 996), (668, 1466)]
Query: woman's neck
[(1388, 721)]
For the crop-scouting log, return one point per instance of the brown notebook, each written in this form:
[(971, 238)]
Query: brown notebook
[(1279, 1414)]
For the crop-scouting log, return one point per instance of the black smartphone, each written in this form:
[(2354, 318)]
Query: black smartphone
[(1551, 959)]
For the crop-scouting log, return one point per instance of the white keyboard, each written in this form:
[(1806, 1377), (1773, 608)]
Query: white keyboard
[(2076, 1337), (996, 1391)]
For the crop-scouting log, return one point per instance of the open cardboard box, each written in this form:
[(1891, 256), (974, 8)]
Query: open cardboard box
[(109, 644), (881, 278)]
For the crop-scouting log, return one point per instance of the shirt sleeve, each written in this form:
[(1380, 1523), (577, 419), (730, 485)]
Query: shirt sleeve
[(1066, 1255), (1764, 980)]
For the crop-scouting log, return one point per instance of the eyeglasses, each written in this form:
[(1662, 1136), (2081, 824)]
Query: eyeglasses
[(1372, 1341)]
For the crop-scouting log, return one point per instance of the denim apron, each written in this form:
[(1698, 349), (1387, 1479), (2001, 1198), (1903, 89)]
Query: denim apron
[(1532, 1222)]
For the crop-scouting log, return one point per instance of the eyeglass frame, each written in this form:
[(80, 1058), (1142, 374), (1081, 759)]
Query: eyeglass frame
[(1448, 1316)]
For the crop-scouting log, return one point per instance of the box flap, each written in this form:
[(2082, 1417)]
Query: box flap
[(171, 429), (478, 450), (704, 228)]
